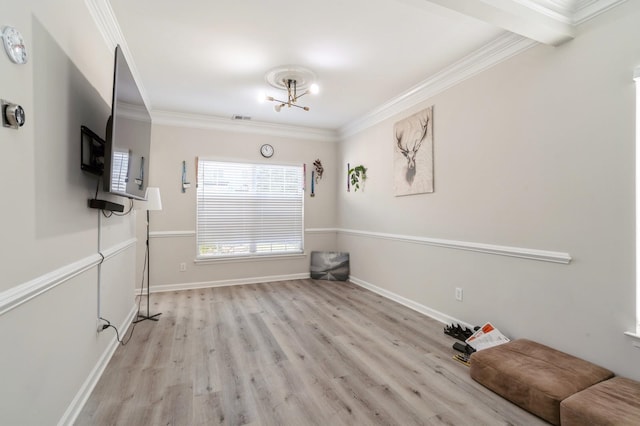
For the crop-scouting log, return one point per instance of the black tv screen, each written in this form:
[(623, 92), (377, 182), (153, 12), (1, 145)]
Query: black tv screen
[(128, 142)]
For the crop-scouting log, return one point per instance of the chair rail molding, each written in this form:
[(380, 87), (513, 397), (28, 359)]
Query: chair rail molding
[(523, 253), (16, 296)]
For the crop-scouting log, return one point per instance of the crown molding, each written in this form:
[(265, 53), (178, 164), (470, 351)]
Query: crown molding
[(529, 18), (498, 50), (558, 10), (570, 11), (589, 9), (201, 121), (573, 12), (567, 12), (105, 20)]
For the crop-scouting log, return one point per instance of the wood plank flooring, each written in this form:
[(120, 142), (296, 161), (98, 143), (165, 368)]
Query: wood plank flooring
[(294, 353)]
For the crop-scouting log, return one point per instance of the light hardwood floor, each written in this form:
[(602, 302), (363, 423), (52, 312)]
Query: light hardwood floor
[(296, 353)]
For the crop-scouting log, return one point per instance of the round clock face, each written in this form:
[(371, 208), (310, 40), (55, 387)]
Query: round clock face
[(266, 150), (14, 45)]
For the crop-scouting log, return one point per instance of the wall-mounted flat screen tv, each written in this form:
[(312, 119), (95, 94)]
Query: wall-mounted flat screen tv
[(128, 141)]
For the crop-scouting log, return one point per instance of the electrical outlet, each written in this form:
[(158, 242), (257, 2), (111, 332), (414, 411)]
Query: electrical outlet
[(183, 267), (458, 294), (100, 325)]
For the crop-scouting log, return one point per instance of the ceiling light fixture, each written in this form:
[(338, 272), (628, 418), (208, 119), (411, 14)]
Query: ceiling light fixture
[(292, 79)]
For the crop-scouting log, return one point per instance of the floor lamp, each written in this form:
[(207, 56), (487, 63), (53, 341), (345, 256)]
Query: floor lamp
[(153, 203)]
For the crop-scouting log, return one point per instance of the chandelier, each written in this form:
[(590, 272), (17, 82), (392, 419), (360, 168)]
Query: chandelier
[(296, 81)]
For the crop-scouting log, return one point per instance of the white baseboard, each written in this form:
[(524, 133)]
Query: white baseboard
[(437, 315), (225, 283), (432, 313), (73, 411)]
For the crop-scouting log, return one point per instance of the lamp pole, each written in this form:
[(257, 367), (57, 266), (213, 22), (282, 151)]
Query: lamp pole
[(153, 203)]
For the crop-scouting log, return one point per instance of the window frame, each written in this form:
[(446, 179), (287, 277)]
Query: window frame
[(242, 257)]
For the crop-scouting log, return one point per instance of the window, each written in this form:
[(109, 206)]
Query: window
[(249, 209), (120, 171)]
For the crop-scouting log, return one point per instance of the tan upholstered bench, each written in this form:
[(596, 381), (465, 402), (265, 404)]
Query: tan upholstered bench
[(533, 376), (614, 402)]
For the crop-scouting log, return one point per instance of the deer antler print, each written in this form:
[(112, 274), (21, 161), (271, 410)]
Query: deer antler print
[(410, 153)]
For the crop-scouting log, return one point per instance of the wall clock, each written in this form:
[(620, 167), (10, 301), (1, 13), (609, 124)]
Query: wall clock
[(266, 150), (14, 45)]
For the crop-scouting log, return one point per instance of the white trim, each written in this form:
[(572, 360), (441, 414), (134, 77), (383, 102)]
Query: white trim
[(635, 338), (77, 404), (589, 9), (192, 233), (321, 230), (172, 234), (494, 52), (201, 121), (487, 56), (106, 22), (226, 283), (118, 248), (636, 77), (16, 296), (524, 253), (432, 313), (558, 12), (524, 17), (253, 258)]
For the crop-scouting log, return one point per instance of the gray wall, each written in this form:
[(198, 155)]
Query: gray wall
[(535, 153), (173, 229), (50, 240)]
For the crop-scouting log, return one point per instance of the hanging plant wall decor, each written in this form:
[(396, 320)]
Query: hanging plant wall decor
[(357, 176)]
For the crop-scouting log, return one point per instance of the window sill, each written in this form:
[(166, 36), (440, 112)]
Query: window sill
[(240, 259), (635, 338)]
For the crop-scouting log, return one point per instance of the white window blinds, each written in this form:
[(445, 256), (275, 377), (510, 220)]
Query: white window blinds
[(120, 171), (249, 209)]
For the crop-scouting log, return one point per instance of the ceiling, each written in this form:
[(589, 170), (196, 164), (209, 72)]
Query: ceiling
[(207, 58)]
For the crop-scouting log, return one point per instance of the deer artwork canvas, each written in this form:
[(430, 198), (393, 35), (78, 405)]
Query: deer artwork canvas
[(413, 154)]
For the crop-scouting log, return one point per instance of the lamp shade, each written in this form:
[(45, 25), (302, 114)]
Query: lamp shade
[(154, 202)]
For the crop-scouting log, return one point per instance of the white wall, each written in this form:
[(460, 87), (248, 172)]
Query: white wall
[(49, 252), (171, 146), (535, 153)]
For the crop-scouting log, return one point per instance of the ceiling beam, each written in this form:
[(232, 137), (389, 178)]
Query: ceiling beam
[(527, 18)]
